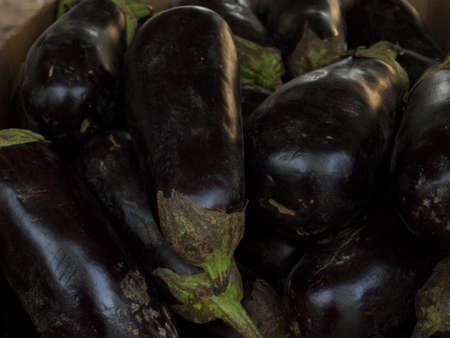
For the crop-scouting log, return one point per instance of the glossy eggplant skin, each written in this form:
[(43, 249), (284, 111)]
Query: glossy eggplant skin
[(314, 146), (109, 165), (187, 119), (397, 21), (286, 20), (14, 321), (61, 257), (71, 74), (361, 285), (239, 16), (421, 160)]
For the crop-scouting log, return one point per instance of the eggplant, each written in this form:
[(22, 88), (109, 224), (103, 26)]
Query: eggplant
[(261, 302), (309, 33), (183, 99), (14, 321), (421, 158), (266, 253), (396, 21), (361, 284), (109, 165), (314, 147), (261, 64), (60, 255), (433, 304), (70, 80)]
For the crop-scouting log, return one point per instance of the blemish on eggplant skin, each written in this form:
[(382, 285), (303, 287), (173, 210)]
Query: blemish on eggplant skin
[(281, 208), (85, 124)]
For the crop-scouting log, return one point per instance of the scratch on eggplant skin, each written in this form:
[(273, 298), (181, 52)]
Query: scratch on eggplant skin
[(281, 208)]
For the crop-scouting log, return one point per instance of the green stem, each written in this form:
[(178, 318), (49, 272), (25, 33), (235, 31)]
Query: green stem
[(233, 313), (424, 330)]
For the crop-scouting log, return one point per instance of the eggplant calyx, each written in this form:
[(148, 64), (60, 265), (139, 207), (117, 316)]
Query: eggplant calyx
[(312, 52), (134, 10), (387, 52), (261, 66), (201, 237), (202, 303), (12, 137)]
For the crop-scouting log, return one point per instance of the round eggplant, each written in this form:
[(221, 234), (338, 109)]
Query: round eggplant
[(396, 21), (310, 34), (70, 80), (360, 285), (421, 159), (59, 253), (183, 99), (314, 147), (109, 165), (433, 304)]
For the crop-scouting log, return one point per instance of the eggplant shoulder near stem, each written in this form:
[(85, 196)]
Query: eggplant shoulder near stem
[(314, 146), (60, 255), (70, 77), (421, 159)]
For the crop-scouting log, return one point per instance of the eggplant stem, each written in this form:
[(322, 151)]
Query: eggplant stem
[(234, 314)]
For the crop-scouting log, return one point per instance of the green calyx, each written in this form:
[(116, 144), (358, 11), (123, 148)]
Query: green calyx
[(387, 52), (203, 303), (260, 66), (201, 237), (134, 10), (431, 322), (12, 137), (312, 52)]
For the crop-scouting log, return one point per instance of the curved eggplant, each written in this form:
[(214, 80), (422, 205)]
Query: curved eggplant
[(310, 34), (183, 96), (433, 303), (314, 147), (59, 253), (396, 21), (108, 163), (14, 321), (421, 159), (70, 80), (362, 284)]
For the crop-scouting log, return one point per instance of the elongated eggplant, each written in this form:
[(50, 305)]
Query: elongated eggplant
[(261, 64), (360, 285), (183, 96), (397, 21), (60, 255), (70, 81), (314, 147), (433, 304), (14, 321), (310, 34), (109, 165), (421, 159)]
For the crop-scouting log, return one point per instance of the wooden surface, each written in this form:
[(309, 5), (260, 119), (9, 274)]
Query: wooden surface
[(14, 12)]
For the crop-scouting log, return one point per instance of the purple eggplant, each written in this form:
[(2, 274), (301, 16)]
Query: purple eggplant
[(109, 165), (315, 146), (361, 284), (70, 81), (60, 255), (310, 33), (421, 159), (396, 21), (183, 98)]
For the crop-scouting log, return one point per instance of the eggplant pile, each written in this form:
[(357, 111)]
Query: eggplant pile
[(225, 169)]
